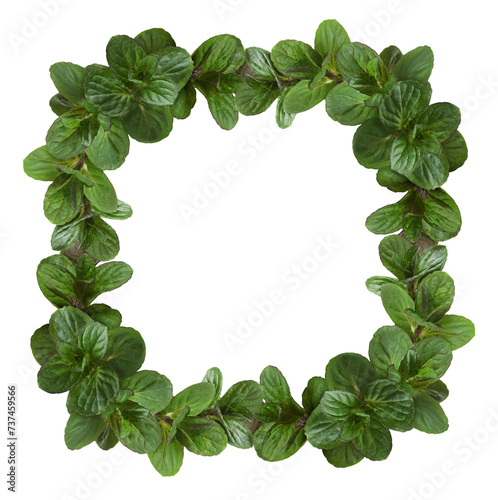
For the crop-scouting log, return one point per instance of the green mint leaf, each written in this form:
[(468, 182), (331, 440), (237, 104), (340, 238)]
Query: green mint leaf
[(393, 405), (100, 240), (42, 345), (63, 142), (221, 105), (57, 376), (390, 56), (435, 354), (93, 340), (217, 54), (67, 235), (102, 193), (431, 173), (442, 219), (441, 119), (82, 430), (396, 255), (146, 123), (122, 212), (388, 347), (184, 103), (321, 431), (330, 36), (107, 439), (403, 103), (201, 436), (261, 65), (247, 394), (374, 284), (215, 377), (455, 150), (104, 314), (150, 389), (108, 277), (349, 372), (237, 432), (393, 181), (339, 405), (375, 441), (66, 323), (389, 219), (301, 98), (429, 416), (110, 147), (177, 64), (123, 54), (56, 283), (313, 393), (95, 393), (434, 296), (347, 105), (456, 330), (276, 390), (69, 78), (197, 397), (40, 165), (108, 94), (415, 65), (353, 59), (253, 101), (372, 144), (395, 302), (296, 59), (125, 351), (432, 259), (160, 90), (344, 455), (154, 40), (143, 437), (167, 459)]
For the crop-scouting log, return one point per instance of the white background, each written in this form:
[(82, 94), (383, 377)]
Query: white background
[(194, 279)]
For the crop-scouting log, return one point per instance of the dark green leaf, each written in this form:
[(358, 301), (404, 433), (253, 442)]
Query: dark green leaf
[(104, 314), (60, 105), (108, 94), (82, 430), (202, 436), (100, 240), (392, 180), (144, 437), (313, 393), (123, 54), (40, 165), (246, 394), (347, 105), (184, 102), (431, 173), (330, 36), (374, 284), (435, 354), (455, 150), (441, 119), (222, 106), (321, 431), (150, 389), (148, 123), (396, 254), (349, 372), (167, 458), (95, 393), (110, 147), (353, 59), (284, 119), (93, 339), (215, 377), (123, 211), (391, 55), (177, 64), (125, 352), (42, 345), (432, 259), (63, 142), (372, 144), (66, 235), (216, 54), (429, 416), (154, 40), (51, 280), (276, 390), (395, 301), (300, 98), (57, 376), (435, 296), (404, 101), (69, 78), (237, 432), (338, 405), (392, 404), (197, 397), (388, 219), (107, 439), (456, 330), (108, 277), (415, 65), (296, 59), (375, 442), (388, 347), (160, 90), (344, 455), (102, 193), (406, 156), (66, 323), (251, 101)]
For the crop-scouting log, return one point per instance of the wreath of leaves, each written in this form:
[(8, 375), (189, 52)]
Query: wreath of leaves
[(350, 411)]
